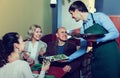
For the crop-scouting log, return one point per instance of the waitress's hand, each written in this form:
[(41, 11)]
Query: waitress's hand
[(91, 40), (63, 61)]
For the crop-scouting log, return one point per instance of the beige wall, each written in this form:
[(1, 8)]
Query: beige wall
[(18, 15)]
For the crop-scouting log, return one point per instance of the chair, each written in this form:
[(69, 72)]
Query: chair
[(48, 38), (52, 37), (116, 21), (56, 71)]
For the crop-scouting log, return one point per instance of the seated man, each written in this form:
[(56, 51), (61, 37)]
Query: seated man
[(63, 46)]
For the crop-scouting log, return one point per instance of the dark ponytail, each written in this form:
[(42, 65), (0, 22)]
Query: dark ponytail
[(2, 57), (7, 46)]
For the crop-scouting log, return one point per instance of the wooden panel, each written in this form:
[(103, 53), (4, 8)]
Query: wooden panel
[(116, 20)]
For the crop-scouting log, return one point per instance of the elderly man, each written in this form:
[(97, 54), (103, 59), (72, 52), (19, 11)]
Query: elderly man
[(63, 46)]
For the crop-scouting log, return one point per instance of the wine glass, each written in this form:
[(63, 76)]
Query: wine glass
[(26, 55)]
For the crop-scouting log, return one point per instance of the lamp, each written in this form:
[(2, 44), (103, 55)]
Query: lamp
[(53, 3)]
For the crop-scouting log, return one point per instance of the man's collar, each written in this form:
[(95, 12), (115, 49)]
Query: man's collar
[(88, 18)]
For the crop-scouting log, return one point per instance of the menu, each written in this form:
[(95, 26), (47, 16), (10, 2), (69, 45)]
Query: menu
[(57, 57)]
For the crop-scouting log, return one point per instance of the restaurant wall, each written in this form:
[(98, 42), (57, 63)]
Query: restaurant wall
[(18, 15), (110, 7)]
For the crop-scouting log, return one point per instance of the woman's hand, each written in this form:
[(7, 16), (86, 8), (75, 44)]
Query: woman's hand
[(41, 53), (26, 55), (45, 65), (30, 61)]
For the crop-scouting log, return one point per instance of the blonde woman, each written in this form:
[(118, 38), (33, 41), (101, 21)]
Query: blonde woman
[(34, 46)]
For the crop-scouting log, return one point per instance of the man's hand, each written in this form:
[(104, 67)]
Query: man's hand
[(67, 68)]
